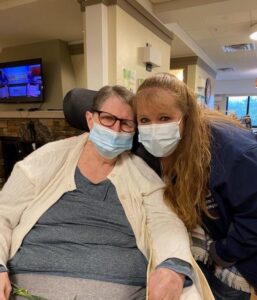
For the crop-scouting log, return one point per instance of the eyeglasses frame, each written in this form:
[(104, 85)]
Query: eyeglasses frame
[(115, 120)]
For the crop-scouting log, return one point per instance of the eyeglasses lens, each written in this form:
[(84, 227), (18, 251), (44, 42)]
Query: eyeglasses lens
[(109, 120)]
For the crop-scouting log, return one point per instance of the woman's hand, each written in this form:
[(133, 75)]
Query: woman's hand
[(165, 284), (5, 286)]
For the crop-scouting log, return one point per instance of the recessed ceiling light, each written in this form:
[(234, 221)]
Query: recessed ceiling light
[(253, 32)]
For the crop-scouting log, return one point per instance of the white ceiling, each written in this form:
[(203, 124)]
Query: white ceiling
[(211, 24), (201, 28), (28, 21)]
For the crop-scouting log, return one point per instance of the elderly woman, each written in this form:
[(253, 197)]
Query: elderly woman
[(80, 218)]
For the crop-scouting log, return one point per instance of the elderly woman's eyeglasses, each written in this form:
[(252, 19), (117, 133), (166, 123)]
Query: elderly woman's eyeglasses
[(108, 120)]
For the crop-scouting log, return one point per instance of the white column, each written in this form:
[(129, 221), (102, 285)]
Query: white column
[(96, 46)]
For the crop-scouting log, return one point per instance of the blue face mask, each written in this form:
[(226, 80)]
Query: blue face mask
[(110, 143)]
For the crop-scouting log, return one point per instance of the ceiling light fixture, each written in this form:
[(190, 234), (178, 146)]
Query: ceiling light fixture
[(253, 32)]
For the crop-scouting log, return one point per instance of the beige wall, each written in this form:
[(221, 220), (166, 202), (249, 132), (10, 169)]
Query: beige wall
[(63, 72), (112, 44), (58, 71), (201, 76), (191, 77), (131, 35), (196, 79), (79, 70), (67, 71)]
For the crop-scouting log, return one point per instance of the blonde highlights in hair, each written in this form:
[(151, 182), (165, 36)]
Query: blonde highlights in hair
[(186, 171)]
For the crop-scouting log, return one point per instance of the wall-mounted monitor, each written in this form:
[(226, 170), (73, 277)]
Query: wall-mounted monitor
[(21, 81)]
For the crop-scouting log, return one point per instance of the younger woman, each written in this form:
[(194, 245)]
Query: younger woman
[(209, 165)]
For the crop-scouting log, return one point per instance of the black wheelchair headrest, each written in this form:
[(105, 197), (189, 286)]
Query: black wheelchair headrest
[(75, 104)]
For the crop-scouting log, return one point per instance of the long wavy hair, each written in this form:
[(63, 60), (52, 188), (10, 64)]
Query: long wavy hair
[(186, 171)]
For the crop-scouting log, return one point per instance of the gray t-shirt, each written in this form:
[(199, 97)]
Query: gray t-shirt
[(84, 234)]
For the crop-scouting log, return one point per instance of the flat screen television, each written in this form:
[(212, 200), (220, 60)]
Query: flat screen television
[(21, 81)]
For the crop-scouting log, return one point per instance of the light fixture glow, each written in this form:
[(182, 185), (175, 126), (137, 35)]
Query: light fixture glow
[(253, 32)]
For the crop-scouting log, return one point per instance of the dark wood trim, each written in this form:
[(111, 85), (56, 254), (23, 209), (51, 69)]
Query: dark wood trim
[(182, 62), (76, 49), (85, 3), (138, 12), (185, 74), (81, 3)]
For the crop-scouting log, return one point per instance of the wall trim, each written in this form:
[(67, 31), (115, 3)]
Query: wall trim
[(39, 114), (183, 62), (138, 12), (75, 49)]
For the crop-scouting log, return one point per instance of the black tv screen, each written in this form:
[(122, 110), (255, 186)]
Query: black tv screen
[(21, 81)]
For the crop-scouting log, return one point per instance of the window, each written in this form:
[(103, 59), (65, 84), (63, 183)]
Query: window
[(252, 111), (237, 105), (243, 105)]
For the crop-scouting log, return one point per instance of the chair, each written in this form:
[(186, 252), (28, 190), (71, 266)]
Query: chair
[(75, 104)]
